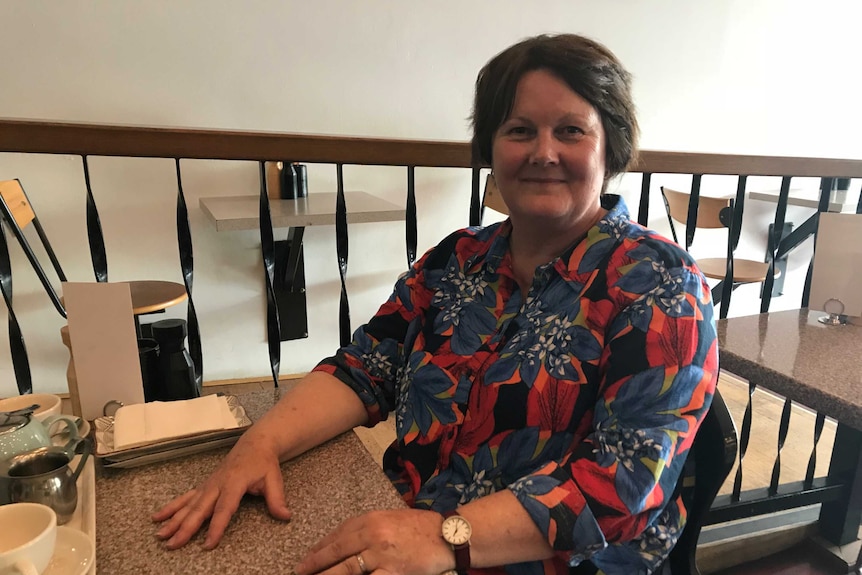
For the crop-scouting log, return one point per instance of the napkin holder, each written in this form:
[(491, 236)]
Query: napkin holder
[(170, 448)]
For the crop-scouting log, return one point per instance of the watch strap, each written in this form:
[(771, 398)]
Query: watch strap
[(462, 552)]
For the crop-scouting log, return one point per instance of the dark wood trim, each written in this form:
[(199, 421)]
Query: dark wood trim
[(43, 137), (39, 137), (734, 164)]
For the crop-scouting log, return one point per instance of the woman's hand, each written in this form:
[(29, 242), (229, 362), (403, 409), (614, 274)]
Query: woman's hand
[(250, 467), (406, 541)]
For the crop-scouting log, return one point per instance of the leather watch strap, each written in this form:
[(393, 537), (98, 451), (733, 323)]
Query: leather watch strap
[(462, 552)]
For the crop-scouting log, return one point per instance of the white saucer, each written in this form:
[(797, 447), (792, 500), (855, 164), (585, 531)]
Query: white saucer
[(73, 553)]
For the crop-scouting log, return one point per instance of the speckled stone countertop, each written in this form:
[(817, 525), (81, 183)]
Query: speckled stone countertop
[(323, 488), (791, 353)]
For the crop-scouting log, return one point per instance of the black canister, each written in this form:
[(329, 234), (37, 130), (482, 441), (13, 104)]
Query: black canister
[(175, 363), (294, 181), (301, 180), (288, 181)]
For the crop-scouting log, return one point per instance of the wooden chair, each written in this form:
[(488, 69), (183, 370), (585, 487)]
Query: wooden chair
[(712, 213), (713, 453)]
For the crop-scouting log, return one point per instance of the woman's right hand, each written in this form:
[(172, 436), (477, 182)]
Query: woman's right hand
[(250, 467)]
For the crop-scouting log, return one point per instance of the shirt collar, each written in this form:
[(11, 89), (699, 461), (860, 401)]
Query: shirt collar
[(595, 245)]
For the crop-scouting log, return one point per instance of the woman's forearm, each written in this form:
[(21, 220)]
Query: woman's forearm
[(503, 532), (319, 408)]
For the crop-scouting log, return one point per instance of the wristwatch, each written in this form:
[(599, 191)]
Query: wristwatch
[(456, 532)]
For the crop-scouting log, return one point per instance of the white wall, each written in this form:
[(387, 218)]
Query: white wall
[(740, 76)]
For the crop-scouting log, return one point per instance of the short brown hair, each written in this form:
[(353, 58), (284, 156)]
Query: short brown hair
[(587, 67)]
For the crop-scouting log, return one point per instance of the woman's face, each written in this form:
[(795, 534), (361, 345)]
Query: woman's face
[(549, 155)]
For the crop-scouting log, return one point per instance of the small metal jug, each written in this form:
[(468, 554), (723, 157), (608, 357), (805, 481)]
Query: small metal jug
[(43, 476)]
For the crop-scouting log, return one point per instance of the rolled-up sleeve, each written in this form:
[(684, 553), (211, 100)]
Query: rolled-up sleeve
[(372, 363)]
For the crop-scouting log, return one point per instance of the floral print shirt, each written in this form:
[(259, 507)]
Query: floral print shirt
[(582, 396)]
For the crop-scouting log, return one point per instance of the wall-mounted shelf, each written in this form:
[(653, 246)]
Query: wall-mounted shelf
[(232, 213)]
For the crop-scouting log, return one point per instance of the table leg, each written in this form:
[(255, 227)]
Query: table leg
[(839, 520)]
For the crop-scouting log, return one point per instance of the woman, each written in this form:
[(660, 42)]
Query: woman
[(547, 374)]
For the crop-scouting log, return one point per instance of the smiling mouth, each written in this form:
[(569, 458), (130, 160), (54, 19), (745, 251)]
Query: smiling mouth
[(543, 180)]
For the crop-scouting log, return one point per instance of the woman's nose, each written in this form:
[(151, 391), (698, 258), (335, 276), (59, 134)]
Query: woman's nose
[(544, 151)]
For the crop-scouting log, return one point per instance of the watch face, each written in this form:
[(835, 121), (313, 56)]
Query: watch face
[(456, 530)]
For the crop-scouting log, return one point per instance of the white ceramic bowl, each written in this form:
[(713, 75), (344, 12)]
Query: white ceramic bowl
[(30, 544), (48, 404)]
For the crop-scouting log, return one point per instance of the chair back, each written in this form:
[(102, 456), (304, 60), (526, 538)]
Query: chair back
[(710, 211), (17, 213), (714, 453), (16, 203), (492, 198)]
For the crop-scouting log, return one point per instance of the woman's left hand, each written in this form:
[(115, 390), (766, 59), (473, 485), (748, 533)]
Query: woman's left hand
[(406, 541)]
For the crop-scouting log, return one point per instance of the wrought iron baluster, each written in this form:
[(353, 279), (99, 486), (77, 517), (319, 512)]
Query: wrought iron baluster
[(17, 347), (94, 231), (777, 227), (783, 426), (691, 218), (734, 231), (812, 461), (822, 206), (643, 207), (743, 441), (410, 224), (341, 246), (267, 248), (187, 266), (475, 199)]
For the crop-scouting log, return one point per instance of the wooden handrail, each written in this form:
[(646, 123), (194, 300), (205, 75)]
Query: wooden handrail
[(42, 137)]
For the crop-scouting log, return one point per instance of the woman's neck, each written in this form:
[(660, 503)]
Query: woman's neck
[(535, 243)]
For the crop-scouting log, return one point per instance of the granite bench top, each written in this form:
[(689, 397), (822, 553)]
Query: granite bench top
[(791, 353), (323, 488)]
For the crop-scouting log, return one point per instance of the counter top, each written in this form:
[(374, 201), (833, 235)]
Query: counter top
[(791, 353), (323, 488)]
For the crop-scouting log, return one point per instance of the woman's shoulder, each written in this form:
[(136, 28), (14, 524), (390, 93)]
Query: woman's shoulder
[(637, 242), (654, 246), (472, 240)]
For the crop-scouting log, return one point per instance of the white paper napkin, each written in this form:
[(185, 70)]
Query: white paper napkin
[(145, 423)]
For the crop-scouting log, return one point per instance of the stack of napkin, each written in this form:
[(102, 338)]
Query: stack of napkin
[(147, 423)]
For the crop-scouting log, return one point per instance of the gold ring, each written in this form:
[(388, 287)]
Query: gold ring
[(361, 562)]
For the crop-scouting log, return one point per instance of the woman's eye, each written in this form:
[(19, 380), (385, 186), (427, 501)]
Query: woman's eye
[(518, 130), (572, 131)]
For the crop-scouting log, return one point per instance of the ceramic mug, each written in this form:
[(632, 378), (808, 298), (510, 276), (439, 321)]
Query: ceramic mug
[(24, 433), (48, 404), (27, 549)]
